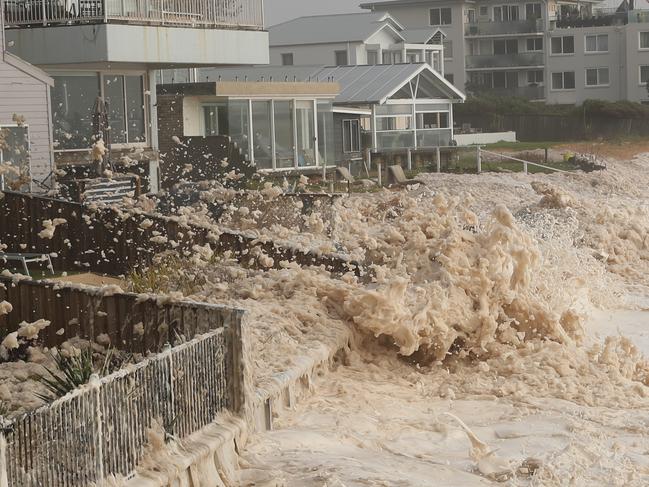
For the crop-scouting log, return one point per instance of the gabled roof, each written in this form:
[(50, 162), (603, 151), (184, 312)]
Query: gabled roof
[(361, 85), (323, 29), (421, 36)]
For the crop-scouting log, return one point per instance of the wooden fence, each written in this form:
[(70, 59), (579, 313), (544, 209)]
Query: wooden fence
[(110, 241)]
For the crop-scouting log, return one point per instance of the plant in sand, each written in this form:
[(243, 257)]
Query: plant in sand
[(71, 372)]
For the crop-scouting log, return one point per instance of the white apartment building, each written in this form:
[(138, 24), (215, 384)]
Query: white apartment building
[(557, 51)]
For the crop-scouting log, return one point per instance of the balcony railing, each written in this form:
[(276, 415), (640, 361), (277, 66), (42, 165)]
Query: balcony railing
[(242, 14), (503, 28), (528, 92), (602, 17), (505, 60)]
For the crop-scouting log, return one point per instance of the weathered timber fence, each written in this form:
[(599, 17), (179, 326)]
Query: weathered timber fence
[(111, 241), (136, 323), (102, 428)]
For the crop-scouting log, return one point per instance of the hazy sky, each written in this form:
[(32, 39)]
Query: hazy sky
[(281, 10)]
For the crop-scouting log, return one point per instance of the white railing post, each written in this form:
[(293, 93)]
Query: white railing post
[(4, 480), (438, 159), (409, 159), (172, 395), (100, 432), (478, 159), (44, 13)]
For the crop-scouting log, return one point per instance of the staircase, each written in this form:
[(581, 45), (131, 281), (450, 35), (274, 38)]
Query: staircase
[(109, 190)]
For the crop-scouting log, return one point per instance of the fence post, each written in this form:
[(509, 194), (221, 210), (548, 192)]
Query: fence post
[(478, 159), (525, 167), (438, 159), (43, 11), (409, 159), (100, 430), (4, 480), (378, 168), (234, 336)]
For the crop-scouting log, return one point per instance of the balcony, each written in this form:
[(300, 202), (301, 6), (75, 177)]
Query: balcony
[(154, 34), (480, 29), (240, 14), (521, 59), (528, 92)]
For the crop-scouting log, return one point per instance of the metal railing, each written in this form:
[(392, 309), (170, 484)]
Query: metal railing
[(102, 428), (246, 14), (504, 60), (489, 28)]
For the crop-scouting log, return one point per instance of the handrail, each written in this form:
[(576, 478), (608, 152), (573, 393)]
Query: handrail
[(525, 163)]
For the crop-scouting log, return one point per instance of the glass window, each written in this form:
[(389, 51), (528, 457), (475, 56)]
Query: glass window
[(341, 58), (305, 133), (135, 108), (284, 146), (509, 46), (563, 81), (261, 134), (506, 13), (535, 76), (597, 77), (215, 119), (563, 45), (372, 57), (644, 40), (484, 11), (14, 150), (326, 132), (447, 46), (387, 57), (351, 136), (114, 95), (535, 44), (440, 16), (238, 121), (73, 99), (644, 74), (287, 59), (532, 11), (597, 43)]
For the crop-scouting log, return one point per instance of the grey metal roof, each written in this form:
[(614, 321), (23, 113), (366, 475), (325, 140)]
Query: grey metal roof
[(322, 29), (368, 85), (359, 85)]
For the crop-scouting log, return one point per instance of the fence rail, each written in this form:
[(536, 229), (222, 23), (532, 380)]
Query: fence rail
[(215, 13)]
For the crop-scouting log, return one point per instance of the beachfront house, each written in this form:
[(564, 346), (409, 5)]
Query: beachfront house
[(103, 56), (26, 158), (353, 39), (324, 116)]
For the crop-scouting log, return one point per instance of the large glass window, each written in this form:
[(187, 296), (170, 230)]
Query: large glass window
[(238, 123), (305, 133), (597, 43), (535, 44), (114, 95), (440, 16), (644, 40), (532, 11), (351, 136), (284, 145), (644, 74), (215, 119), (73, 98), (563, 45), (262, 136), (506, 13), (326, 132), (136, 131), (563, 81), (14, 151), (597, 77)]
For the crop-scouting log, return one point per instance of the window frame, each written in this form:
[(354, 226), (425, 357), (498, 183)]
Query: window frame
[(284, 55), (596, 51), (563, 81), (99, 76), (640, 48), (640, 82), (562, 53), (440, 16), (599, 83), (348, 136), (533, 39), (509, 8), (339, 52), (535, 72), (540, 8)]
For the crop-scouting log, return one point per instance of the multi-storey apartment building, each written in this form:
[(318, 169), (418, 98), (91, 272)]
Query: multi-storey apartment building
[(561, 52)]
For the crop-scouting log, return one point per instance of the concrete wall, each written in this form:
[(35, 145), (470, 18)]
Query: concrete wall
[(635, 58), (318, 54), (154, 46), (25, 95), (581, 60), (485, 138), (417, 17)]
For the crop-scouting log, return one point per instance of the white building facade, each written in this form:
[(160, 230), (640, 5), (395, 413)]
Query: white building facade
[(560, 52)]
